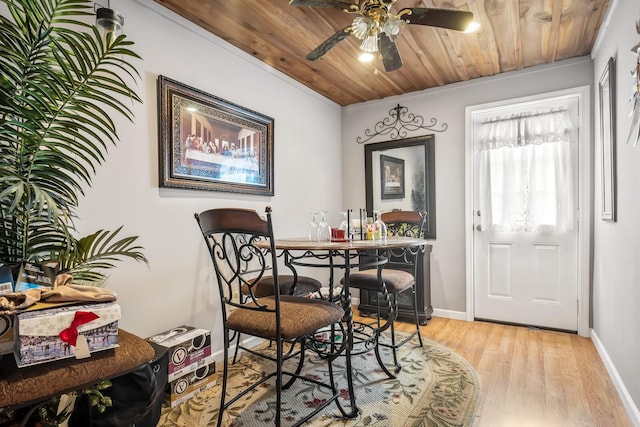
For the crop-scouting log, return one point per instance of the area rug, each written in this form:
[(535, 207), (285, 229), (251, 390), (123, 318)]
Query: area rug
[(436, 387)]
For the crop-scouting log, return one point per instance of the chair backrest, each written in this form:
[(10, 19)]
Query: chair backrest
[(231, 235), (405, 223)]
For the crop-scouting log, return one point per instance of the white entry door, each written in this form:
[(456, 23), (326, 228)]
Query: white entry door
[(525, 238)]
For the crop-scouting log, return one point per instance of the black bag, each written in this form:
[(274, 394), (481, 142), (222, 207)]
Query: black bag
[(136, 398)]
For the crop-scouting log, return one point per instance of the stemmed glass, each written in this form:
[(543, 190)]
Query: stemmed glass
[(344, 225), (314, 228), (324, 231), (379, 227)]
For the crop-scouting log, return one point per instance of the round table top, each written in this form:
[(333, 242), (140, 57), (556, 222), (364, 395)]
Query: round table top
[(303, 244)]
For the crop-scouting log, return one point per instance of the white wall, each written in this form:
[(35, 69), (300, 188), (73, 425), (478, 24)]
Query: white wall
[(616, 271), (177, 287), (447, 105)]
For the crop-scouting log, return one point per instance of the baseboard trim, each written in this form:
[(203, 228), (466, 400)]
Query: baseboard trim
[(250, 342), (450, 314), (627, 401)]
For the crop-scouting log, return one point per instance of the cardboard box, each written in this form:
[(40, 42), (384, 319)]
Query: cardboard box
[(186, 346), (187, 386), (37, 339), (36, 275), (190, 368), (180, 372), (6, 280), (178, 385)]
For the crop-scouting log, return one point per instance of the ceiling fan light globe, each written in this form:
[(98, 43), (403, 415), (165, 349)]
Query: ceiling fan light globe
[(391, 27), (361, 27), (472, 27), (369, 44), (366, 57)]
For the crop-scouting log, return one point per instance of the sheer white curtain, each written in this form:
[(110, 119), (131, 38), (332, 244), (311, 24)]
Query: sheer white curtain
[(525, 173)]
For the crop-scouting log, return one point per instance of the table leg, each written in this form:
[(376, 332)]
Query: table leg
[(348, 316)]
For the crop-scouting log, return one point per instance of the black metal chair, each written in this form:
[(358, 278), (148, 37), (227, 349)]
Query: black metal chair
[(393, 279), (231, 236)]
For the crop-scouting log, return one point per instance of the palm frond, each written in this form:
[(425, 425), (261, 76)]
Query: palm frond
[(59, 88), (98, 251)]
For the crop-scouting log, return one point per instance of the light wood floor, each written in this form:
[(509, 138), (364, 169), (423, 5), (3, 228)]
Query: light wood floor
[(530, 377)]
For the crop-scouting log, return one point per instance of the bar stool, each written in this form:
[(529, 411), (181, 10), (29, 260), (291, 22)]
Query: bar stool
[(397, 276), (231, 236)]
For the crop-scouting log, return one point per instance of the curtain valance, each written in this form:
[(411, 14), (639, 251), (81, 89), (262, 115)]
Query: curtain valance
[(525, 128)]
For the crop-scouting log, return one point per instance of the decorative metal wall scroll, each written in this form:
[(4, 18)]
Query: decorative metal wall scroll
[(398, 124), (634, 132)]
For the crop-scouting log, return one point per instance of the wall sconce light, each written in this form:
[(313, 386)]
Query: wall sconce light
[(108, 20)]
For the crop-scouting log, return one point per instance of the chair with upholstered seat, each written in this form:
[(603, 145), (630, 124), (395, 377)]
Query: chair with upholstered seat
[(232, 237), (289, 284), (397, 276)]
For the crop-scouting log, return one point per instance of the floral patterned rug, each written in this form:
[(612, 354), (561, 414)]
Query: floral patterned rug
[(436, 387)]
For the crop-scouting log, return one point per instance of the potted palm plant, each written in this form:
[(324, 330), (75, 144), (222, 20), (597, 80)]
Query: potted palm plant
[(62, 82)]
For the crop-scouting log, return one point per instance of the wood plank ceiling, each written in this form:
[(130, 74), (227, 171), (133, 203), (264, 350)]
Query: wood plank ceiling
[(514, 34)]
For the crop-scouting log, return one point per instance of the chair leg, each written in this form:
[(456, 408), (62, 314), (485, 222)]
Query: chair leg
[(303, 345), (334, 391), (278, 381), (393, 333), (378, 310), (235, 353), (393, 314), (225, 371), (391, 317), (415, 313)]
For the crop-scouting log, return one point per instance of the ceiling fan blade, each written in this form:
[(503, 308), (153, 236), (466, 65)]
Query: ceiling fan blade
[(444, 18), (334, 4), (329, 43), (389, 51)]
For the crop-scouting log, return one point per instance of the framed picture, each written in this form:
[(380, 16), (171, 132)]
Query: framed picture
[(207, 143), (608, 140), (392, 177)]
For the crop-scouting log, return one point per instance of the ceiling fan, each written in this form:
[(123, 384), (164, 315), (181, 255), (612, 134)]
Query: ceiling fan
[(377, 26)]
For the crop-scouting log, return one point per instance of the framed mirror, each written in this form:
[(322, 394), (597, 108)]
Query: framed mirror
[(400, 175)]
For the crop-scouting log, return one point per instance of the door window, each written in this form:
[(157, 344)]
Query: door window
[(525, 173)]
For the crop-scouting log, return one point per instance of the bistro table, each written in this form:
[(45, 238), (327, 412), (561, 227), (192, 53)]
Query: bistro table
[(302, 252)]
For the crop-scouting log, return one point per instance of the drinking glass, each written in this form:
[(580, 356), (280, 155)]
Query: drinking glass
[(344, 225), (379, 227), (314, 227), (324, 231)]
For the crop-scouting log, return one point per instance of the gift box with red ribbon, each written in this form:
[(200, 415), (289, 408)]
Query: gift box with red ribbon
[(64, 332)]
